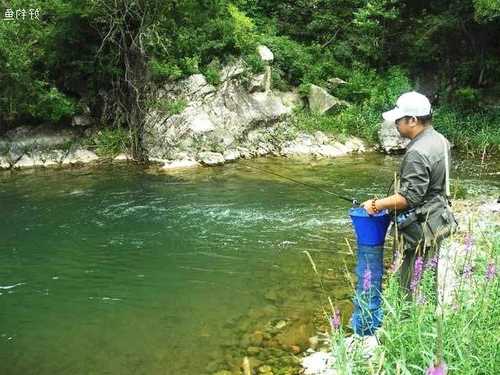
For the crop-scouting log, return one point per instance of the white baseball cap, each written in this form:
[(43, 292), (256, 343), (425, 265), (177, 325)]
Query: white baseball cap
[(409, 104)]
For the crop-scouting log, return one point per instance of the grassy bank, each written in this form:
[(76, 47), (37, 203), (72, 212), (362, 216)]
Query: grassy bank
[(457, 332), (473, 133)]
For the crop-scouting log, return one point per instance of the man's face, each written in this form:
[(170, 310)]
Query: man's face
[(404, 126)]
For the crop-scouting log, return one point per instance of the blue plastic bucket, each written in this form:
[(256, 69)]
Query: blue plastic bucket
[(370, 229)]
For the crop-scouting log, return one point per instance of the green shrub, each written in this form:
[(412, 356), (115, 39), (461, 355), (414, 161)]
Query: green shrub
[(466, 99), (278, 82), (254, 62), (190, 65), (473, 133), (370, 94), (243, 29), (212, 72), (164, 71), (110, 142), (170, 107), (52, 105)]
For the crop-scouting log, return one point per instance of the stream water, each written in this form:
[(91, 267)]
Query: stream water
[(119, 270)]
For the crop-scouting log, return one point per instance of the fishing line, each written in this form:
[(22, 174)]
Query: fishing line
[(353, 201)]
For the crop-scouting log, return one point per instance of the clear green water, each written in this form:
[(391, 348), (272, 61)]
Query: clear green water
[(119, 270)]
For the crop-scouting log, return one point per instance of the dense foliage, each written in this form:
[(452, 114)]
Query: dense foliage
[(94, 53)]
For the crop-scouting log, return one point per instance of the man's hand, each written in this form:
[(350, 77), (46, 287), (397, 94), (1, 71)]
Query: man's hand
[(367, 205), (394, 202)]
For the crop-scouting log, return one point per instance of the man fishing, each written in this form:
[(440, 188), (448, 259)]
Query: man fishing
[(421, 205)]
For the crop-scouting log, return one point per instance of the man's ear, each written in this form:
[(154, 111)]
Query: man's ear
[(412, 121)]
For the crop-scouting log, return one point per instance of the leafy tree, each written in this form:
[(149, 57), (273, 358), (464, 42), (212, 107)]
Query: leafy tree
[(487, 10)]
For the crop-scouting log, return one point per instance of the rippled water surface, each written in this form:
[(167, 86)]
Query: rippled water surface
[(119, 270)]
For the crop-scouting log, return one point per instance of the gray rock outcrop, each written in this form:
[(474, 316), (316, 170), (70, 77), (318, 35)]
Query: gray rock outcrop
[(28, 147), (320, 101), (389, 138), (218, 119)]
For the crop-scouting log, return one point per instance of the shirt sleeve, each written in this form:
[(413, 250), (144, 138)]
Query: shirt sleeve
[(415, 178)]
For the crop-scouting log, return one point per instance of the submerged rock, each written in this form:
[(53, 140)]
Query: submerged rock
[(231, 155), (122, 157), (320, 145), (211, 158), (80, 156), (180, 164)]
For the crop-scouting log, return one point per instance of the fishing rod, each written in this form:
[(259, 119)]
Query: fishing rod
[(353, 201)]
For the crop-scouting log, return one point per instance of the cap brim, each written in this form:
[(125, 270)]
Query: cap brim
[(393, 115)]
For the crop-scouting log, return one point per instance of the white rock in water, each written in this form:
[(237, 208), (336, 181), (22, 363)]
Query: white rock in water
[(330, 151), (321, 138), (318, 363), (231, 155), (122, 157), (27, 162), (3, 163), (296, 149), (211, 158), (356, 144), (80, 156), (265, 53), (244, 152), (180, 164)]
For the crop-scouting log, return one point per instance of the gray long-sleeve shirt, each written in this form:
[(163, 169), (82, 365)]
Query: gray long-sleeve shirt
[(423, 172)]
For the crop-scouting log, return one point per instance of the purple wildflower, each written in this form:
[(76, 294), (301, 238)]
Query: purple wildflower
[(432, 263), (417, 273), (437, 369), (367, 279), (491, 271), (335, 320), (468, 242)]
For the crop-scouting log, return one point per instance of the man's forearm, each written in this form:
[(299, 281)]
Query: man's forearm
[(394, 202)]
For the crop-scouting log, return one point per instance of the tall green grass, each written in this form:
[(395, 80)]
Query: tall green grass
[(421, 331)]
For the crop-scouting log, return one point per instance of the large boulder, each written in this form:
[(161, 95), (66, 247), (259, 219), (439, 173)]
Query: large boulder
[(390, 139), (320, 145), (36, 137), (233, 70), (265, 53), (213, 119), (218, 119), (320, 101)]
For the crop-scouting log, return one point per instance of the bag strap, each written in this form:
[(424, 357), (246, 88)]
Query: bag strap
[(446, 166)]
